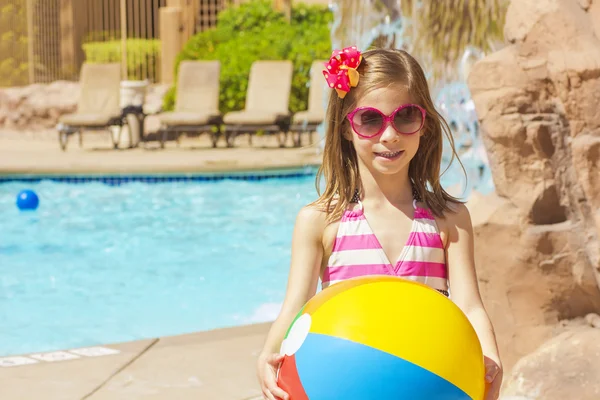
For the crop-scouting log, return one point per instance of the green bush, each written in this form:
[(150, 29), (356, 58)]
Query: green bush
[(254, 31), (142, 55)]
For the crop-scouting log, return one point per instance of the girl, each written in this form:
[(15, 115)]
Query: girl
[(382, 199)]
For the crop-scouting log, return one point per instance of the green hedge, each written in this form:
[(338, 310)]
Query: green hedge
[(254, 31), (142, 55)]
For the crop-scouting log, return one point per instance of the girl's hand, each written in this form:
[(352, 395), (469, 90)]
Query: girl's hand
[(493, 378), (267, 376)]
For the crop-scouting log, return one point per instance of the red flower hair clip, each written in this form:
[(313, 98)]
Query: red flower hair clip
[(341, 72)]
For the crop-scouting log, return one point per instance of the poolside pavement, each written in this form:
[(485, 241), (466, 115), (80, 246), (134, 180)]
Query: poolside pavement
[(218, 364), (39, 153)]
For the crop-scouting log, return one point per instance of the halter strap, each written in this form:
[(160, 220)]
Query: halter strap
[(356, 198)]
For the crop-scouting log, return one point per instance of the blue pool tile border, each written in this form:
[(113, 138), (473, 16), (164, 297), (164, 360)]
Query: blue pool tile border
[(113, 180)]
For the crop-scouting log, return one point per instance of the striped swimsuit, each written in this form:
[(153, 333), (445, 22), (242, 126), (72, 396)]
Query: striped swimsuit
[(357, 252)]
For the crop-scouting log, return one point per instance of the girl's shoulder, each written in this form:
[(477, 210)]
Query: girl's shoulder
[(313, 213), (312, 218), (457, 216), (454, 209), (318, 216), (457, 211)]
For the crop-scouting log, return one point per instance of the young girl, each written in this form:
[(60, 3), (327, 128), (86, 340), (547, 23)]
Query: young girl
[(381, 163)]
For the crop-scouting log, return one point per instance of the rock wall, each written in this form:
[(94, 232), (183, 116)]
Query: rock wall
[(565, 367), (38, 107), (538, 101)]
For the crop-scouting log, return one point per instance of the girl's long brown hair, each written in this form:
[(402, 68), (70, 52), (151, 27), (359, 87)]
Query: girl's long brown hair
[(382, 68)]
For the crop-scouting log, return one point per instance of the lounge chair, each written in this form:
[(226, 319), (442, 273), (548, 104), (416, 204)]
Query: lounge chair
[(307, 121), (267, 102), (98, 108), (197, 104)]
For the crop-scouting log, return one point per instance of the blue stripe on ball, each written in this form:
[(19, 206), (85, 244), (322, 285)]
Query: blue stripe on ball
[(334, 368)]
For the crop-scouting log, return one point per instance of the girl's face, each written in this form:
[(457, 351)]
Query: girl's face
[(388, 152)]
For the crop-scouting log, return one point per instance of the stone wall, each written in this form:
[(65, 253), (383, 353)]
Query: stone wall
[(38, 107), (538, 103), (565, 367)]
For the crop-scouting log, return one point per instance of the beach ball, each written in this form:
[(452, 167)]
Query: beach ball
[(27, 200), (381, 338)]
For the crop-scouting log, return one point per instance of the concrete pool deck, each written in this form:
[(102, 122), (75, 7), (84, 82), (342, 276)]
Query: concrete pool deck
[(217, 364), (41, 155)]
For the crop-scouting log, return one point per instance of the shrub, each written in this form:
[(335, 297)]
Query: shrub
[(254, 31), (142, 55)]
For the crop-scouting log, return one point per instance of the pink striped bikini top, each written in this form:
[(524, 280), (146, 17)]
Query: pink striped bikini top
[(357, 252)]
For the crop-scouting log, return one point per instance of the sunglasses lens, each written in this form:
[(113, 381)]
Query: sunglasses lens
[(408, 120), (367, 122)]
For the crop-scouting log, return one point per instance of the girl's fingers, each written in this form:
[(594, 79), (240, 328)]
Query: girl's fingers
[(275, 359), (267, 395), (493, 392), (269, 388), (491, 370), (492, 374), (277, 391)]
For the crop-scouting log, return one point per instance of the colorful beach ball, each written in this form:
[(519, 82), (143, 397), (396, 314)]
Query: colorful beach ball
[(381, 338)]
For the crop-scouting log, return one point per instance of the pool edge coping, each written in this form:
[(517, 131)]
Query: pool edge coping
[(164, 171)]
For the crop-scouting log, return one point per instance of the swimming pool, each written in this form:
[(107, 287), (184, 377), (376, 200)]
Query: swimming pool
[(107, 260)]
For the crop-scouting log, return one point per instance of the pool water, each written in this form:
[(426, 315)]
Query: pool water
[(99, 264)]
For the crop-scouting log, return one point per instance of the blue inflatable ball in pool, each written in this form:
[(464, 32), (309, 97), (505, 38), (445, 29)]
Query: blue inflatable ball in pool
[(27, 200)]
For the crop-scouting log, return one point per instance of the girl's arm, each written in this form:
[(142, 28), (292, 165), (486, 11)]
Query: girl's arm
[(464, 289), (307, 252)]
